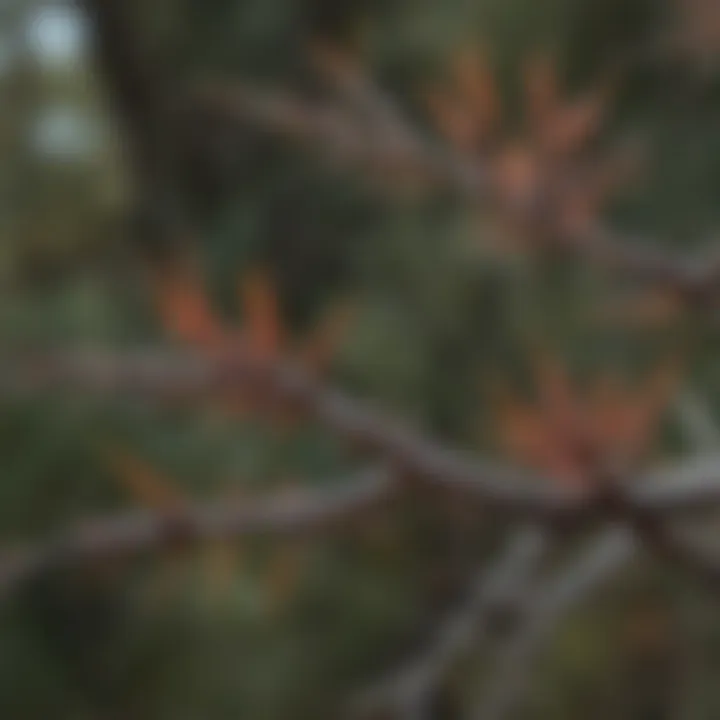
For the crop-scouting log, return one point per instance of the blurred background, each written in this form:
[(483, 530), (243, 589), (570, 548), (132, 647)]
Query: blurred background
[(398, 288)]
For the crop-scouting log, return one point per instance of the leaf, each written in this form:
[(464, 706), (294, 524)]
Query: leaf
[(528, 438), (262, 325), (558, 127), (517, 172), (526, 435), (185, 310), (467, 108), (146, 486), (572, 436), (149, 488), (453, 118), (475, 84), (572, 126), (558, 401), (542, 95)]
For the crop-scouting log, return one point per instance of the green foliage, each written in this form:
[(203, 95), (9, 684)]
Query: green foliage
[(435, 317)]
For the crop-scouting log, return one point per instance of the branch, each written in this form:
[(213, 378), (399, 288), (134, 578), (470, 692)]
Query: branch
[(338, 136), (608, 554), (663, 493), (697, 422), (691, 485), (512, 672), (682, 544), (314, 513), (675, 547), (353, 86), (333, 132), (420, 461), (701, 432), (409, 690)]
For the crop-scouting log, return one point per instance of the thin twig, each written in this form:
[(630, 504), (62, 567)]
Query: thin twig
[(678, 483), (313, 513), (512, 671), (702, 434), (665, 492), (421, 461), (334, 133), (681, 543), (339, 136), (690, 485), (697, 422), (501, 587)]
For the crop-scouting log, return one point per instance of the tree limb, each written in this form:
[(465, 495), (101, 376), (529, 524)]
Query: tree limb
[(420, 461), (349, 139), (500, 588), (313, 513), (691, 484), (512, 671), (667, 491)]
